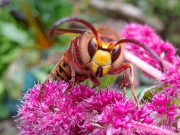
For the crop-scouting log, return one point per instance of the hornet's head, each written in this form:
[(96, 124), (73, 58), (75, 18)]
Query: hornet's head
[(104, 53)]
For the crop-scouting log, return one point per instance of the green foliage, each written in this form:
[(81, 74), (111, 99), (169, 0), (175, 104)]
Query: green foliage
[(147, 93), (50, 11), (166, 10), (22, 64), (19, 57), (4, 111), (138, 91), (106, 81)]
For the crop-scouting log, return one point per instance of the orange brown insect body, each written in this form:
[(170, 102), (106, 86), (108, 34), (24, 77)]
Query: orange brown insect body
[(90, 58), (93, 54)]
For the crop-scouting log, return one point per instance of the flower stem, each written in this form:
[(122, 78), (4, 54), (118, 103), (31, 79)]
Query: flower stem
[(155, 73), (152, 129)]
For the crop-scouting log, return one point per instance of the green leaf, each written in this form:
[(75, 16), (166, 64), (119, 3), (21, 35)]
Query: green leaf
[(176, 101), (1, 88), (14, 34), (40, 75), (4, 113), (14, 78), (138, 91), (147, 93), (107, 81)]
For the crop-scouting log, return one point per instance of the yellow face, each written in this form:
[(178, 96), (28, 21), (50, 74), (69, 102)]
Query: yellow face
[(103, 53)]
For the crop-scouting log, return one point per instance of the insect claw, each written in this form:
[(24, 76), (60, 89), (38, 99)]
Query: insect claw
[(121, 86), (124, 91), (67, 90), (71, 84), (42, 90), (94, 86)]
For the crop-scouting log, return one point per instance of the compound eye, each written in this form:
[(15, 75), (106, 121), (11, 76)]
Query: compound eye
[(115, 53), (92, 48)]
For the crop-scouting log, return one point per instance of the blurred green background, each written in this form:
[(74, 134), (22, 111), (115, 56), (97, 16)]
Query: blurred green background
[(22, 34)]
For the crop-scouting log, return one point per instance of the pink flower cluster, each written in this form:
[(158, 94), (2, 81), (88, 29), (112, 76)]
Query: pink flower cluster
[(164, 113), (147, 35), (165, 50), (83, 111), (171, 80)]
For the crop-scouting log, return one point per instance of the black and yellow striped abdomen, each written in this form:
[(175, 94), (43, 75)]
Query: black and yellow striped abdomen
[(63, 72)]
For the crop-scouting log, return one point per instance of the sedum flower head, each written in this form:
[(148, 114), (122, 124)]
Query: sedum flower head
[(82, 110), (163, 112), (171, 80), (147, 35), (53, 112)]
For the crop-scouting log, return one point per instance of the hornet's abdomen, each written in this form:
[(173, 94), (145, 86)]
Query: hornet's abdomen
[(63, 72)]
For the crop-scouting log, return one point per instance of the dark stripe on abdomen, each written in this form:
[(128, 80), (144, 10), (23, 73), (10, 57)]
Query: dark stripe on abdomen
[(59, 77), (80, 77), (63, 72)]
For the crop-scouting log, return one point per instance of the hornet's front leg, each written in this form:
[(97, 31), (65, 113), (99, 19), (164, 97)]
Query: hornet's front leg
[(121, 68), (124, 82), (95, 80)]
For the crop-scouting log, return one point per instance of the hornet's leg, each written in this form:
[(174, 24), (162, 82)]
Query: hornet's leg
[(124, 82), (121, 68), (95, 80), (51, 74), (131, 79)]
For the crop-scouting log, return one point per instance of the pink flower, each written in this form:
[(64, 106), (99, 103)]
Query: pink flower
[(147, 35), (171, 80), (53, 112), (164, 111), (83, 111)]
